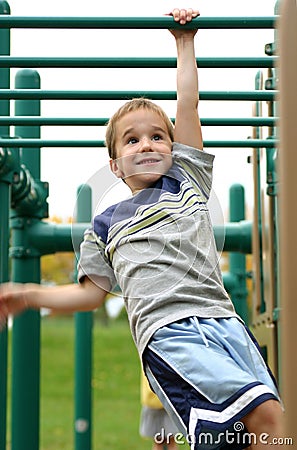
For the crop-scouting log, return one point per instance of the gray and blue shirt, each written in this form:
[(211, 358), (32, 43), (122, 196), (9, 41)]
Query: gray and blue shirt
[(159, 247)]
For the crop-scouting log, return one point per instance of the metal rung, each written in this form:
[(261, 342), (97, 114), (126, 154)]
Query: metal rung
[(33, 94), (137, 22), (216, 62), (26, 143), (101, 121)]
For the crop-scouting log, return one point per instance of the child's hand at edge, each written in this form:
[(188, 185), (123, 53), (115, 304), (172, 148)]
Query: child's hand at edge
[(183, 16), (12, 300)]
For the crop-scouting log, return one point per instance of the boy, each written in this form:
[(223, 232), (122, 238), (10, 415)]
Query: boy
[(158, 246)]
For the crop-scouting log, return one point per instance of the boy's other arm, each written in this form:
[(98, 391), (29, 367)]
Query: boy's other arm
[(187, 122), (16, 297)]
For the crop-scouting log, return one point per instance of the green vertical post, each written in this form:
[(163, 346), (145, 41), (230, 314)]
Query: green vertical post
[(4, 72), (83, 349), (4, 276), (26, 268), (4, 231), (258, 86), (29, 79), (4, 226), (237, 261)]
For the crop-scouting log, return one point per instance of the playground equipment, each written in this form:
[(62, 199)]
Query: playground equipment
[(31, 237)]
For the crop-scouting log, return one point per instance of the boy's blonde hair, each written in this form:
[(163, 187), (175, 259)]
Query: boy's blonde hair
[(133, 105)]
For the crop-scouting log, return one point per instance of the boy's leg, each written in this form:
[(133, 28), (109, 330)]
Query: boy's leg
[(171, 445), (265, 424), (159, 446)]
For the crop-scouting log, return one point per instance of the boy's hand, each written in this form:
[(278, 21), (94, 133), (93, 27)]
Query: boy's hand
[(12, 301), (183, 16)]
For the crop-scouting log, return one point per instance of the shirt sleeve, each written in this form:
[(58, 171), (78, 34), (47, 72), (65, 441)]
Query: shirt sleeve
[(92, 261), (197, 166)]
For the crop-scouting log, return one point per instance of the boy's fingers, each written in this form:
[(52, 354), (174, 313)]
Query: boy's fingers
[(3, 315), (184, 15), (189, 14), (180, 15), (3, 322), (176, 14)]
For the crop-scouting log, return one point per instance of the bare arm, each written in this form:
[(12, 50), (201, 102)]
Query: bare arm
[(16, 297), (187, 123)]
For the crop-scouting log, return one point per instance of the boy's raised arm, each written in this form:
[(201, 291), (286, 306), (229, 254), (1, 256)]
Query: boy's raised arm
[(187, 122)]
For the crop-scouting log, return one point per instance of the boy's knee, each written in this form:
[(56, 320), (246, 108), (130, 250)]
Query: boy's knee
[(264, 417)]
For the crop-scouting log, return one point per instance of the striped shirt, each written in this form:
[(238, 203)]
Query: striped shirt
[(159, 247)]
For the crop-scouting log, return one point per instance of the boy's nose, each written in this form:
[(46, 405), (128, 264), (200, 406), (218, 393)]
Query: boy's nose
[(146, 145)]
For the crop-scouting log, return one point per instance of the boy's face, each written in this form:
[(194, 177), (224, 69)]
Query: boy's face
[(143, 149)]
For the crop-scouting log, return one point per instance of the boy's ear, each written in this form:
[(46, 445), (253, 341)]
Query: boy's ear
[(114, 167)]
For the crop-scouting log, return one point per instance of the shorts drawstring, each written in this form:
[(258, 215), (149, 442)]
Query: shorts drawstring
[(201, 331)]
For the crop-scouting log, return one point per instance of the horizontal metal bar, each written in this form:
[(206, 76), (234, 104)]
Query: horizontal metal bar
[(50, 237), (237, 236), (215, 62), (31, 94), (136, 22), (240, 121), (53, 121), (101, 121), (26, 143)]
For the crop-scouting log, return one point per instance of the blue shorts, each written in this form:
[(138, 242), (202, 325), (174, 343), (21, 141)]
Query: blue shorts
[(209, 374)]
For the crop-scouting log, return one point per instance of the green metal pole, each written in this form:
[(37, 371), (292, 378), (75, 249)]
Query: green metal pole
[(29, 79), (4, 227), (138, 22), (258, 86), (5, 71), (83, 349), (31, 94), (237, 261), (4, 235), (33, 143), (48, 237), (4, 276), (26, 327), (102, 121), (9, 168), (119, 62)]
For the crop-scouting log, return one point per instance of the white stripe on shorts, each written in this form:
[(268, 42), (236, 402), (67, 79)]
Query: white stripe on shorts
[(232, 410)]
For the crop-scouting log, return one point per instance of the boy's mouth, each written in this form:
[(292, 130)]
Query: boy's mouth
[(148, 161)]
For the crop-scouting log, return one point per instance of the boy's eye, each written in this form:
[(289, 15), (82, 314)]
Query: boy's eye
[(132, 141), (156, 137)]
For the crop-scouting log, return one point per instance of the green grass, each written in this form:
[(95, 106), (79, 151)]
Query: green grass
[(115, 383), (116, 375)]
